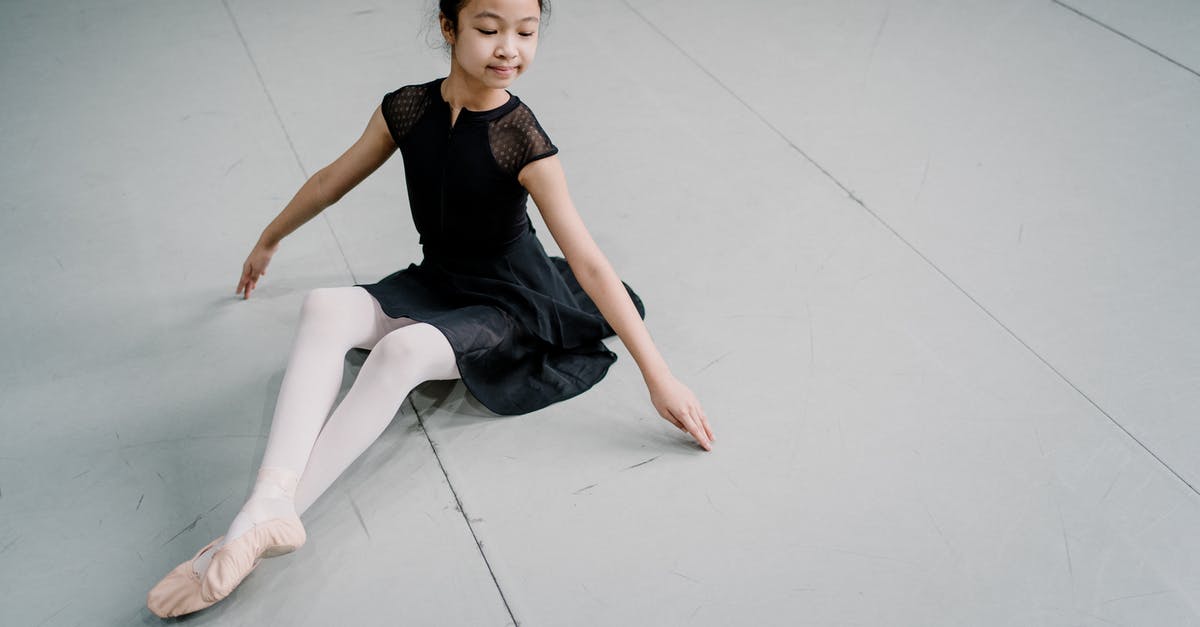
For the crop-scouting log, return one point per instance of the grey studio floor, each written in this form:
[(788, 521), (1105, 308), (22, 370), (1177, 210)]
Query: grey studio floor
[(931, 267)]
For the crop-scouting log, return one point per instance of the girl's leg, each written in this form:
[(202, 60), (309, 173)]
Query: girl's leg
[(332, 321), (402, 359), (397, 363)]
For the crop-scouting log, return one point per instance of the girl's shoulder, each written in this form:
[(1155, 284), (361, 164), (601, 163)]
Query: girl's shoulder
[(516, 138), (404, 106)]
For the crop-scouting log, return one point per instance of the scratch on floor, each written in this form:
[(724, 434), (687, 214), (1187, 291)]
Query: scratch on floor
[(1135, 596), (921, 187), (182, 531), (643, 463), (812, 347), (879, 34), (230, 168), (139, 505), (6, 547), (360, 516), (874, 557), (1113, 483), (1159, 519), (47, 619), (1066, 545), (713, 362), (218, 503), (81, 474), (685, 576), (586, 487), (939, 529)]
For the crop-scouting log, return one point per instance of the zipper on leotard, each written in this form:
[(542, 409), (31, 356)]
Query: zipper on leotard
[(442, 204)]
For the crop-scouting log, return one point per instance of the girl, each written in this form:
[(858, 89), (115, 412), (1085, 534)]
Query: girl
[(486, 304)]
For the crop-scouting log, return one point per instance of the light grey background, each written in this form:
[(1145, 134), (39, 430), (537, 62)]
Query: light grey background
[(930, 266)]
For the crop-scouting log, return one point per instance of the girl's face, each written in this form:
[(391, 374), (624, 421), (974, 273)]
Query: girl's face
[(496, 40)]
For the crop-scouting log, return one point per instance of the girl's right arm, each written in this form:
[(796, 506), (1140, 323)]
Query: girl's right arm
[(321, 190)]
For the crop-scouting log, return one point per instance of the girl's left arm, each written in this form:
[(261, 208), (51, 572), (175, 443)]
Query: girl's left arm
[(547, 184)]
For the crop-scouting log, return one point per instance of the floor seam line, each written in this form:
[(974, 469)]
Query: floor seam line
[(463, 510), (286, 135), (1113, 30), (910, 246)]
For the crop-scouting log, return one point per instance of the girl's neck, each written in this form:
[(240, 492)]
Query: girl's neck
[(460, 90)]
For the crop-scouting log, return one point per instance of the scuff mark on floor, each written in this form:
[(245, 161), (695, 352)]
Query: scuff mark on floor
[(6, 547), (1120, 471), (586, 487), (685, 576), (1066, 544), (939, 529), (358, 513), (139, 505), (706, 367), (921, 187), (1135, 596), (182, 531), (47, 619), (812, 349), (218, 503), (644, 463)]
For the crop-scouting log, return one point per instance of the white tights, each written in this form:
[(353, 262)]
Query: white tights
[(305, 453)]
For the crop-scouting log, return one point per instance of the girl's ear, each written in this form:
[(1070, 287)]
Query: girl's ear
[(447, 29)]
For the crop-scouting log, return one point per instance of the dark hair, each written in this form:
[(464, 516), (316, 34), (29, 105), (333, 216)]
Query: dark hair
[(451, 9)]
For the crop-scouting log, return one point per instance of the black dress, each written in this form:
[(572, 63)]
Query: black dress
[(524, 332)]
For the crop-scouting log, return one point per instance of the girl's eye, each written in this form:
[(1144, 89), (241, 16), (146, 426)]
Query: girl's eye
[(527, 34), (486, 32)]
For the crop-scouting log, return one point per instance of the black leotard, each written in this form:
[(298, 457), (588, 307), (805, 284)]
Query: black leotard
[(524, 332)]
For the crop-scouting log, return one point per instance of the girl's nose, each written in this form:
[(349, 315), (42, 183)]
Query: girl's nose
[(505, 49)]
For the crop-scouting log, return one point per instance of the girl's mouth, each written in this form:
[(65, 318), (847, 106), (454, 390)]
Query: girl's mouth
[(503, 70)]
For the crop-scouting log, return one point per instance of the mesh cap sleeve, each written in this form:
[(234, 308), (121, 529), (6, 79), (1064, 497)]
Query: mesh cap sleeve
[(517, 139), (402, 108)]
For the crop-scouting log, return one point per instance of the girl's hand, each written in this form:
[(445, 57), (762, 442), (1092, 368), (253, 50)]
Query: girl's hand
[(676, 403), (255, 266)]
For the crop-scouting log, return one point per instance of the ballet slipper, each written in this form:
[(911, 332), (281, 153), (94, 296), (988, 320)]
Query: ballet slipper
[(179, 592), (234, 561)]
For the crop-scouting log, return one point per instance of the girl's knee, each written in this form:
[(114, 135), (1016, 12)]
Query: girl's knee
[(397, 348), (329, 301), (417, 350)]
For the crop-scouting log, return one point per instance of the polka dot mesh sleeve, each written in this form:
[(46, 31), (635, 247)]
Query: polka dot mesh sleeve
[(402, 108), (517, 139)]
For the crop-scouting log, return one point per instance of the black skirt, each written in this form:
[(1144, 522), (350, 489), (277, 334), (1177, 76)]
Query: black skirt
[(524, 332)]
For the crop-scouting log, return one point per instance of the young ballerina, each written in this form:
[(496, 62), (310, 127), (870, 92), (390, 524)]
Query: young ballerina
[(486, 304)]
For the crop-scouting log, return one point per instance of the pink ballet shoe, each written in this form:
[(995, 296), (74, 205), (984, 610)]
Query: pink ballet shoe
[(179, 592), (232, 562)]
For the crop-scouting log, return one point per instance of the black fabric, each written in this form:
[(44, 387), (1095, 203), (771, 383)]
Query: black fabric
[(524, 332)]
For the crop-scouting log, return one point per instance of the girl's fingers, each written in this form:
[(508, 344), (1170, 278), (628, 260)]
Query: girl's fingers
[(674, 420), (694, 428), (707, 429)]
